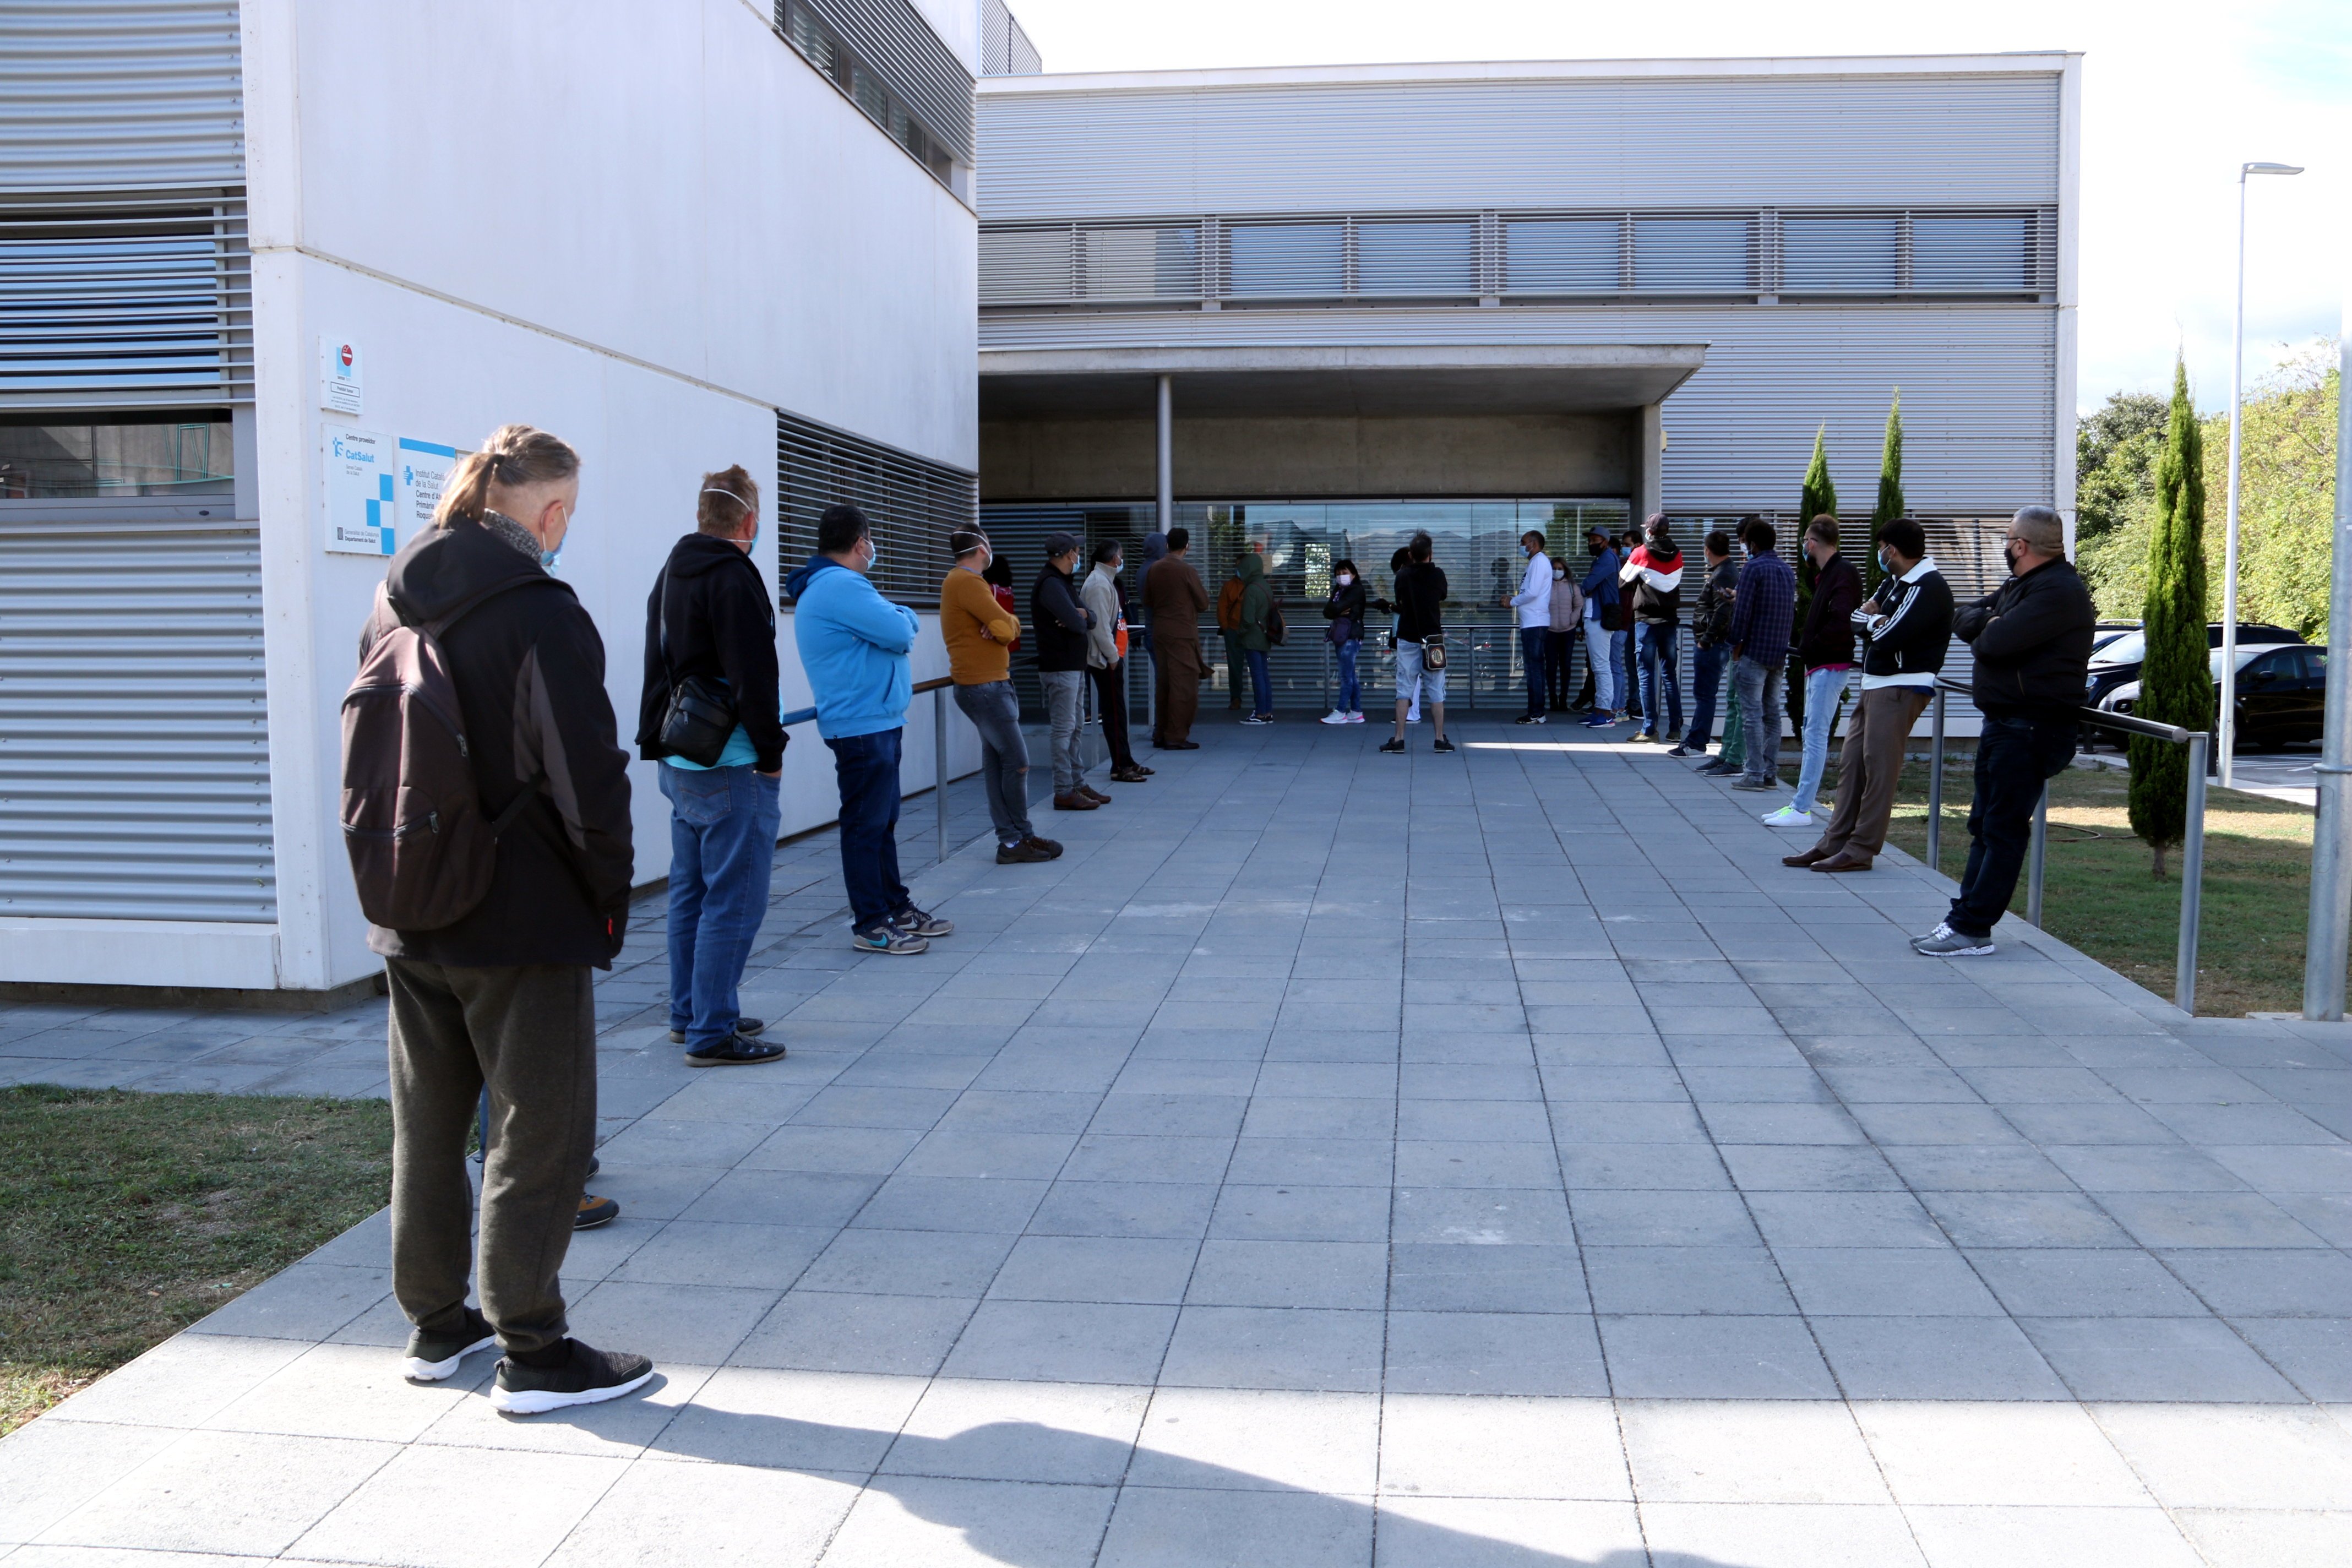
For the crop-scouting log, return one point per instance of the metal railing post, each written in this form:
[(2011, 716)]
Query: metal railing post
[(1936, 788), (2192, 878), (940, 762), (2039, 860)]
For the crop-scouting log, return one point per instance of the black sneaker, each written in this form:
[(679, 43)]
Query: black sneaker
[(920, 922), (594, 1165), (1529, 719), (589, 1377), (1023, 852), (432, 1357), (736, 1052), (745, 1026), (1443, 744), (594, 1211), (1391, 744)]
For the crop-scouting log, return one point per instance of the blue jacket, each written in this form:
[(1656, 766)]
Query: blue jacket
[(1600, 583), (854, 645)]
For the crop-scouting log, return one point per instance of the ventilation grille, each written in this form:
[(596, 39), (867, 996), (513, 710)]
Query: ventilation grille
[(912, 503), (891, 38), (125, 300), (120, 95)]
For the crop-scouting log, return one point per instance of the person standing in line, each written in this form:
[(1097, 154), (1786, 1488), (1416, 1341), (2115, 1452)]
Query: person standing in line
[(1629, 663), (2031, 638), (1825, 648), (709, 614), (1711, 634), (1250, 630), (1761, 614), (1533, 601), (1174, 599), (1062, 622), (998, 575), (1604, 624), (1565, 614), (1106, 641), (501, 999), (1654, 573), (1907, 625), (1421, 589), (1399, 559), (1229, 624), (854, 645), (979, 632), (1346, 609)]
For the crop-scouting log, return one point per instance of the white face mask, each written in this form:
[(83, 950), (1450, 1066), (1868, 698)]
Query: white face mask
[(1345, 578)]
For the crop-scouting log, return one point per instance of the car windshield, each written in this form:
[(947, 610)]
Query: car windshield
[(2129, 649)]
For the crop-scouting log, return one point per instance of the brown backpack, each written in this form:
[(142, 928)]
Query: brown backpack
[(422, 852)]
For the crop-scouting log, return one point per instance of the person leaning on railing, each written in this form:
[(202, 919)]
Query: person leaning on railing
[(2031, 638)]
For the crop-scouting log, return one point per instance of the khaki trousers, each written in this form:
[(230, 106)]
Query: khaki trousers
[(1869, 764), (1176, 675)]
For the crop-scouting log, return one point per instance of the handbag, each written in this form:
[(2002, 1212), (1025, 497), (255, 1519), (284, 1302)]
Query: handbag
[(1433, 651), (699, 719), (1340, 632)]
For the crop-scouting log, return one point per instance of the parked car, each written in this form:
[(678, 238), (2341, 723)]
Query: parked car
[(2119, 660), (2107, 632), (2282, 694)]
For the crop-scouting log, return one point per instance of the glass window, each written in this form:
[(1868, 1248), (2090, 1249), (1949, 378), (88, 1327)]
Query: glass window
[(1417, 258), (1286, 259), (176, 455), (1696, 255), (1142, 263), (1970, 252), (1563, 256), (1839, 253)]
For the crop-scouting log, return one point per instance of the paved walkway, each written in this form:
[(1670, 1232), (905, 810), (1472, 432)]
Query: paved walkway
[(1341, 1159)]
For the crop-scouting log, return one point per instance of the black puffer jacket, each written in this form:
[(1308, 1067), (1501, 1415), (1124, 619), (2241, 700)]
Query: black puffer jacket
[(721, 622), (530, 672), (2031, 637)]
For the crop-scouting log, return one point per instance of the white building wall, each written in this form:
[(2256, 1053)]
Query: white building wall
[(641, 229)]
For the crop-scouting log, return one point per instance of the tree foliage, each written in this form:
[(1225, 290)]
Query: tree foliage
[(1819, 496), (2176, 682), (1890, 488)]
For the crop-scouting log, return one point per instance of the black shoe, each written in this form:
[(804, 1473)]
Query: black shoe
[(1530, 719), (594, 1165), (1023, 852), (589, 1377), (1391, 744), (1681, 751), (1052, 846), (432, 1357), (1443, 744), (745, 1026), (594, 1211), (736, 1052)]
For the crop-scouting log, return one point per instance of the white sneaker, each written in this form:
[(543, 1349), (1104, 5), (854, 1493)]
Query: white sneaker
[(1787, 817), (1334, 717), (1413, 718), (1355, 718)]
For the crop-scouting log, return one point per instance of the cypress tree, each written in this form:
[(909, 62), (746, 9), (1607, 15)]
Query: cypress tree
[(1819, 496), (2176, 681), (1890, 487)]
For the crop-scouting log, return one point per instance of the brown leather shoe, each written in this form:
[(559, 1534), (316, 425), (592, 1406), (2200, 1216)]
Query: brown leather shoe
[(1077, 803), (1094, 795), (1843, 860), (1807, 858)]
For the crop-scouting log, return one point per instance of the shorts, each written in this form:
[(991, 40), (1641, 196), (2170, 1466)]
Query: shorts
[(1411, 680)]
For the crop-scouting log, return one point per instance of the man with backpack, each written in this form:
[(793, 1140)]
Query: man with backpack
[(486, 814), (709, 620), (1255, 629)]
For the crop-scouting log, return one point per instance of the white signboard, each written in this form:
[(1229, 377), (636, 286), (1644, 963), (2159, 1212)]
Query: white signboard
[(339, 389), (424, 468), (362, 504)]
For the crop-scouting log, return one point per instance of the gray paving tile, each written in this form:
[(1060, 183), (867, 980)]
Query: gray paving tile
[(1174, 1210), (1744, 1281), (1454, 1278), (2157, 1359), (1063, 1341), (1494, 1354), (2085, 1282), (1884, 1281), (1659, 1357), (1962, 1358), (1257, 1347), (828, 1332)]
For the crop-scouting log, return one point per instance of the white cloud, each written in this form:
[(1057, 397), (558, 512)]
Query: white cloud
[(2175, 97)]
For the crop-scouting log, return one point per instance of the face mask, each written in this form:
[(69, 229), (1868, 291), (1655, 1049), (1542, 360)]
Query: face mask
[(549, 558), (1345, 578), (2012, 551), (874, 555)]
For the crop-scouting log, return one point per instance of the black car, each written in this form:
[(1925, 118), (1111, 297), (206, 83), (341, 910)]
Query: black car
[(2118, 661), (2282, 694)]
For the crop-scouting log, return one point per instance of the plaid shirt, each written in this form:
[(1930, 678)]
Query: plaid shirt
[(1765, 611)]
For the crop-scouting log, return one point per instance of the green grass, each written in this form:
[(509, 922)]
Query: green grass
[(2102, 897), (125, 1218)]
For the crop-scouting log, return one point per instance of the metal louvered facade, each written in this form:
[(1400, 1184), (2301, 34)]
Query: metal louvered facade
[(890, 40), (134, 736), (912, 503), (1005, 47), (104, 95)]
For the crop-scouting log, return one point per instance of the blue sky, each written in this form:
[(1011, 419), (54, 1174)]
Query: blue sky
[(2175, 97)]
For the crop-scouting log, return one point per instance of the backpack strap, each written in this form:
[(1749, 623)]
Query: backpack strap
[(515, 807)]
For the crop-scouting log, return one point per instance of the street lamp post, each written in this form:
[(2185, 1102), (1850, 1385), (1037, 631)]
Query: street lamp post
[(2325, 933), (2226, 722)]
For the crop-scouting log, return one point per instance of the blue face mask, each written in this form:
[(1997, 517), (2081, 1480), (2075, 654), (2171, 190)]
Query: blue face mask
[(549, 558), (874, 560)]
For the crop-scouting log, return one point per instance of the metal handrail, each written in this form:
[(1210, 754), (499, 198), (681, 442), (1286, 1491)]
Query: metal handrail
[(939, 744), (2192, 840)]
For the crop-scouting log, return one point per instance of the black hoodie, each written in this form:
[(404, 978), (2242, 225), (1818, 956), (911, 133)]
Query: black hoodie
[(722, 623), (530, 672)]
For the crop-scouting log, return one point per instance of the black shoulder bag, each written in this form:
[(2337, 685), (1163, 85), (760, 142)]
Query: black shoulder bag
[(700, 718)]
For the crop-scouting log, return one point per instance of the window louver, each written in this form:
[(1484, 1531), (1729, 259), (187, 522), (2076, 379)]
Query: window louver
[(912, 503), (890, 39)]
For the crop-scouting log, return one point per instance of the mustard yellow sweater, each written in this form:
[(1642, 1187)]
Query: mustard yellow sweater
[(967, 605)]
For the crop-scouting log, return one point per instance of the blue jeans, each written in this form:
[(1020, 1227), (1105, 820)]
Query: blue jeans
[(1629, 669), (1655, 647), (1606, 653), (1707, 679), (1531, 654), (722, 844), (1352, 691), (868, 769), (1822, 690), (1758, 687), (1261, 682)]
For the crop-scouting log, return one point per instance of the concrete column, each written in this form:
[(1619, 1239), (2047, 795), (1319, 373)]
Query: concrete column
[(1650, 490), (1167, 485)]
